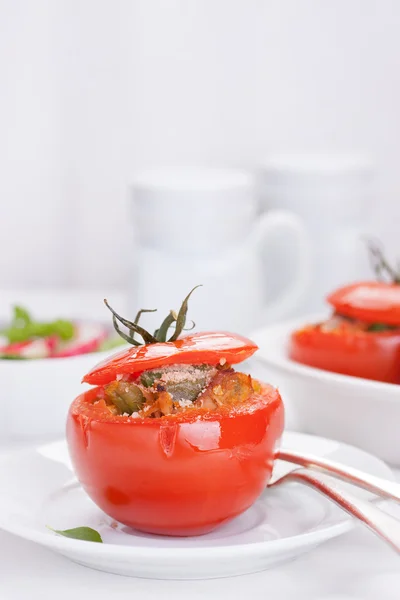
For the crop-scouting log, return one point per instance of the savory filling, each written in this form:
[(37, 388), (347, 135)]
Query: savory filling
[(177, 388), (339, 323)]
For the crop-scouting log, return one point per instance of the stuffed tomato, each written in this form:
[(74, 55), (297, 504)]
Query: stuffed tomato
[(362, 337), (345, 348), (173, 440)]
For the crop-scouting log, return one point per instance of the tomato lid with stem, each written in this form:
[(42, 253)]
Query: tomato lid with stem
[(372, 301), (157, 351), (369, 301)]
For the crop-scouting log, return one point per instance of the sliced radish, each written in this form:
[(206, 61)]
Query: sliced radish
[(14, 349), (88, 338), (39, 348)]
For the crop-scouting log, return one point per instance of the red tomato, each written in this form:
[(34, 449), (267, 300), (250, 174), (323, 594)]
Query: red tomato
[(196, 349), (182, 474), (372, 355), (371, 301)]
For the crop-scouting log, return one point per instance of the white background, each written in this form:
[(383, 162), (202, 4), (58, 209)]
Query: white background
[(92, 90)]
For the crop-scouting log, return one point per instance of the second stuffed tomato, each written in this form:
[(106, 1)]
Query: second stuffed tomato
[(362, 337), (173, 440)]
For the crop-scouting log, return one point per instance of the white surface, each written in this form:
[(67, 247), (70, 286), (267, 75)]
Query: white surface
[(197, 179), (91, 91), (355, 410), (36, 394), (316, 165), (285, 522), (47, 303), (355, 566)]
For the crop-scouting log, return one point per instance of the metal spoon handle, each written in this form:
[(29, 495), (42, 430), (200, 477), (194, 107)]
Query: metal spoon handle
[(376, 485), (382, 524)]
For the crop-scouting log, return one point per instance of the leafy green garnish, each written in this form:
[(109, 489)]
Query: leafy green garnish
[(21, 316), (64, 329), (380, 327), (24, 328), (80, 533)]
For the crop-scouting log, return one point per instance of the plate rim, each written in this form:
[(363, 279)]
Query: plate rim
[(304, 540)]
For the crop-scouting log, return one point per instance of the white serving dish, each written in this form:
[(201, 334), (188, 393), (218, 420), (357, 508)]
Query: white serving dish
[(35, 394), (357, 411)]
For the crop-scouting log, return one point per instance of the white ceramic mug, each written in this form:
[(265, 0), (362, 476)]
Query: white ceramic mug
[(200, 226), (332, 195)]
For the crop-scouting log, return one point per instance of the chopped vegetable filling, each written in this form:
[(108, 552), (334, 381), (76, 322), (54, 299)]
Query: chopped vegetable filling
[(177, 388), (340, 323)]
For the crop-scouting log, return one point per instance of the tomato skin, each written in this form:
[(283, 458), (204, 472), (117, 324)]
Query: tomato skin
[(179, 475), (369, 301), (199, 348), (371, 355)]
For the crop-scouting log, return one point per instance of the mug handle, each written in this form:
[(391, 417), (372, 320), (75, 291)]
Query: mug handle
[(291, 226)]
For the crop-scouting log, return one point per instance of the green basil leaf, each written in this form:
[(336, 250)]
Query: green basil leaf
[(18, 334), (21, 316), (64, 329), (80, 533), (22, 331)]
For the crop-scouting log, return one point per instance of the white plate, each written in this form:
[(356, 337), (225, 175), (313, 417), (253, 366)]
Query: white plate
[(354, 410), (285, 522)]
